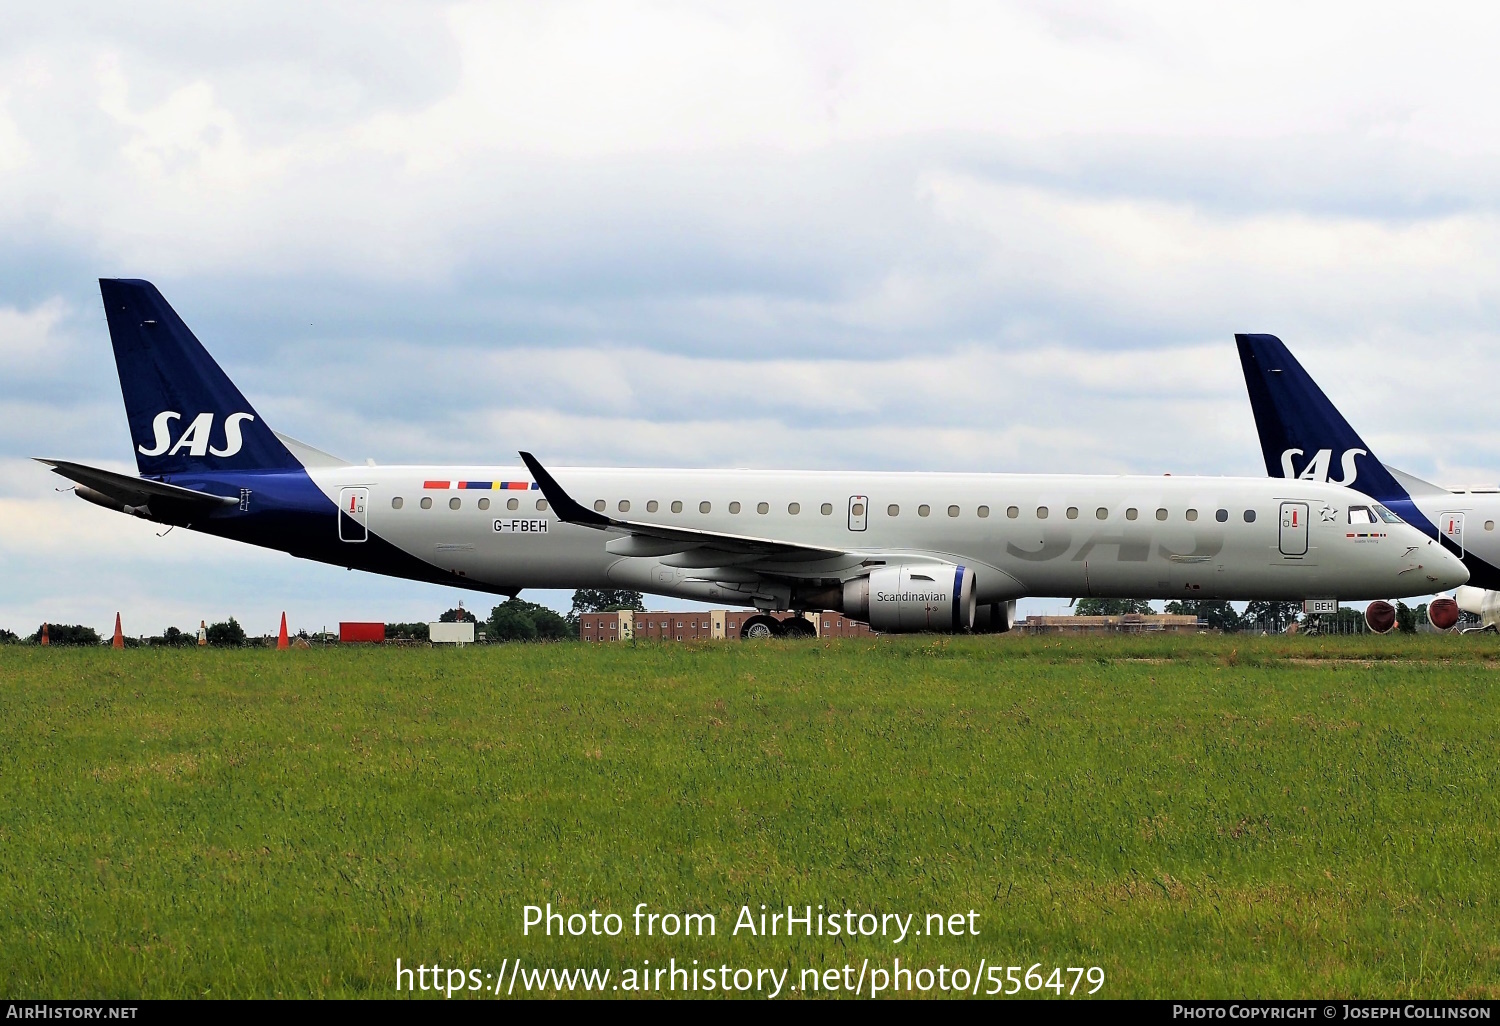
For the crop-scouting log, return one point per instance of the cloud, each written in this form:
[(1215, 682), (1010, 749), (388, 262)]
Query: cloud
[(29, 338)]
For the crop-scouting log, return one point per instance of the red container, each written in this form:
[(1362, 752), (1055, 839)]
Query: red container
[(357, 632)]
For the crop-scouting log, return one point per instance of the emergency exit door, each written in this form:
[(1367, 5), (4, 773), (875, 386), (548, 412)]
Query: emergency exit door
[(859, 512), (354, 524), (1452, 526), (1294, 528)]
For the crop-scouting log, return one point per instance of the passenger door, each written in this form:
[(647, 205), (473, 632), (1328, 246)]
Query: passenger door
[(1294, 528), (859, 512), (354, 524), (1452, 526)]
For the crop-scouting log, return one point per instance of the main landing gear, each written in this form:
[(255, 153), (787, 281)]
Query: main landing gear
[(762, 625)]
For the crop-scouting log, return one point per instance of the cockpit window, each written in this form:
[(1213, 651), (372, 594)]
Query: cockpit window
[(1387, 515), (1360, 515)]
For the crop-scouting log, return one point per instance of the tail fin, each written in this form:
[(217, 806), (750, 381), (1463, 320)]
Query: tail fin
[(1302, 434), (185, 414)]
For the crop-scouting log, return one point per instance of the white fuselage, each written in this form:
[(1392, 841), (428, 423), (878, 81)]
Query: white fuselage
[(1023, 535), (1467, 518)]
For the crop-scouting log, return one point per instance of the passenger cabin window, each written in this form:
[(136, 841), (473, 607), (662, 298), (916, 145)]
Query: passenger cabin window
[(1012, 512), (1072, 512), (652, 506), (827, 509), (1161, 514), (1249, 516), (858, 509), (893, 510), (1361, 515), (704, 507), (794, 508), (953, 511), (624, 506), (541, 505), (455, 502), (1192, 514), (1041, 512), (512, 503), (599, 505), (762, 507), (1132, 513), (1222, 516), (984, 512), (426, 502), (734, 507), (676, 505), (1102, 513), (924, 510), (397, 502), (484, 503)]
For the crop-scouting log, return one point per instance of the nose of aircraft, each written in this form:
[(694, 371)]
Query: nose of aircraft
[(1439, 568)]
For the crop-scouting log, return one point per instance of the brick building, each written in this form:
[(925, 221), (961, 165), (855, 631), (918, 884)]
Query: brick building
[(707, 624)]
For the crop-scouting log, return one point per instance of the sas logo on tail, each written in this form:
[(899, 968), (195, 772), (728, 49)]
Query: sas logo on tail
[(1316, 469), (195, 439)]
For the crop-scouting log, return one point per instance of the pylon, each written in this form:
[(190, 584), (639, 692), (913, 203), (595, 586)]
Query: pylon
[(44, 635), (281, 641), (203, 632), (119, 635)]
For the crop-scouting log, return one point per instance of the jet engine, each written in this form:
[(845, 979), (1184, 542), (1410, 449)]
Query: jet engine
[(1380, 616), (1443, 613), (1480, 602), (995, 617), (910, 597)]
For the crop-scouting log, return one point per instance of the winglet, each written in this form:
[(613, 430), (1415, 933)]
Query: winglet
[(568, 511)]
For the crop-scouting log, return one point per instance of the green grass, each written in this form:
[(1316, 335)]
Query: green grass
[(1198, 816)]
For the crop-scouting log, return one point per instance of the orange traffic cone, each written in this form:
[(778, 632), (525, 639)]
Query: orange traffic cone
[(281, 641), (44, 635), (119, 635)]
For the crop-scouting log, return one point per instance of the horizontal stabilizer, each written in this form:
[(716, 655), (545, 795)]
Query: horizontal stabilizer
[(136, 491)]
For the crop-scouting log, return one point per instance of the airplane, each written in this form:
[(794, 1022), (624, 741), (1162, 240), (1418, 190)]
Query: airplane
[(1304, 437), (904, 552)]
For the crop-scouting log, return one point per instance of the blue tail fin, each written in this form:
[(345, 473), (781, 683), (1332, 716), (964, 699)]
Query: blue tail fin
[(1302, 434), (185, 414)]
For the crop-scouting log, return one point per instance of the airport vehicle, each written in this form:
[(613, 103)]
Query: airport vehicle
[(901, 551), (1304, 437)]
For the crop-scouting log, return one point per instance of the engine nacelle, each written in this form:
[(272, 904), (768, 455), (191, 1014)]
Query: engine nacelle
[(1480, 602), (910, 597), (1443, 613), (1380, 616), (995, 617)]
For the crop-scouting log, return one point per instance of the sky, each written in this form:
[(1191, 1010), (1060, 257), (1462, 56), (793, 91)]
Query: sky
[(929, 236)]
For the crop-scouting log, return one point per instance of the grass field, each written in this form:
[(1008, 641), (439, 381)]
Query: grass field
[(1199, 816)]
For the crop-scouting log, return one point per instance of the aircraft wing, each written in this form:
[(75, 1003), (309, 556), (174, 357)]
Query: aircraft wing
[(135, 491), (704, 548)]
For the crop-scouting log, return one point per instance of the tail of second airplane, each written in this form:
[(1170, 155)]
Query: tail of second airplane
[(1302, 434), (185, 414)]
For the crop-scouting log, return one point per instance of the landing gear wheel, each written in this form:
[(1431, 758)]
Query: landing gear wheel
[(798, 627), (758, 627)]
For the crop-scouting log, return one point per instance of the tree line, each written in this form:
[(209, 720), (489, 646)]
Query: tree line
[(512, 620)]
